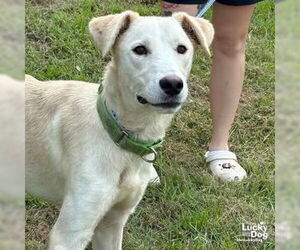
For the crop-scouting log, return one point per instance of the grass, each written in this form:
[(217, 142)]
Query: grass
[(12, 38), (287, 119), (12, 64), (190, 209)]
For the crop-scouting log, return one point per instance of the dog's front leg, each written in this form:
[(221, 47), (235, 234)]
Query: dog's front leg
[(109, 232), (82, 208)]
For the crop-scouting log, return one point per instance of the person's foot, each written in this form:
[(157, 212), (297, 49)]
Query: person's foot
[(223, 164)]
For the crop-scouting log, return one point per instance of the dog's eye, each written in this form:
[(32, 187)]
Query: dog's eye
[(181, 49), (140, 50)]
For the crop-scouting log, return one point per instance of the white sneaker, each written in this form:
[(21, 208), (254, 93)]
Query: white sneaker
[(223, 164)]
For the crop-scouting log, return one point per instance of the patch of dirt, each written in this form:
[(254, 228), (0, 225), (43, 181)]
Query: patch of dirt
[(39, 222), (41, 2)]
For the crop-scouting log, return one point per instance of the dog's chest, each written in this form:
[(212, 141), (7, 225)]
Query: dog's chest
[(132, 184)]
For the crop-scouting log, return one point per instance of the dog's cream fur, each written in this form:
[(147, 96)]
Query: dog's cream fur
[(70, 158)]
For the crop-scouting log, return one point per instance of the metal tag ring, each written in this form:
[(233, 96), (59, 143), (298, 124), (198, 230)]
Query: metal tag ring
[(152, 160)]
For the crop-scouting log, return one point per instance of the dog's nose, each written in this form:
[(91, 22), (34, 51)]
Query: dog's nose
[(171, 85)]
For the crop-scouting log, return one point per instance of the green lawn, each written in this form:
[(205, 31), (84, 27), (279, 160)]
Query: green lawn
[(190, 209), (288, 123), (12, 38)]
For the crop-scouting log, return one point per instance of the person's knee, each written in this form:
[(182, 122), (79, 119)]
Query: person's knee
[(229, 45)]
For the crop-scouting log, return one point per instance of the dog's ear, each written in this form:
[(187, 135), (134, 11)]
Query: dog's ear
[(199, 30), (107, 29)]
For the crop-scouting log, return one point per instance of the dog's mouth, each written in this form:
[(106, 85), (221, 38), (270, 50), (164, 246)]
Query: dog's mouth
[(141, 100), (164, 105)]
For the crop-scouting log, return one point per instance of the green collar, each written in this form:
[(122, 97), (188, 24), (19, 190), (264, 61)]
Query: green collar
[(120, 136)]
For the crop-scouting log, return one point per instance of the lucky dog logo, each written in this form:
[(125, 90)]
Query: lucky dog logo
[(254, 232)]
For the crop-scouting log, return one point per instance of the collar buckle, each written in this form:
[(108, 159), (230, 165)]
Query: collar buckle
[(154, 156), (124, 134)]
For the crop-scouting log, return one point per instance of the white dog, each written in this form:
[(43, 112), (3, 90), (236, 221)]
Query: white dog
[(96, 165)]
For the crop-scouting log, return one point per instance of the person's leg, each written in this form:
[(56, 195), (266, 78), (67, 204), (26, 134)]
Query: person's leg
[(231, 25), (231, 28)]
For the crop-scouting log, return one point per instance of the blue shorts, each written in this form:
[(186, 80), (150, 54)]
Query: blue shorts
[(227, 2)]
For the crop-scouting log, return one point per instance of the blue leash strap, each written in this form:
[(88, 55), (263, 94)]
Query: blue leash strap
[(203, 10)]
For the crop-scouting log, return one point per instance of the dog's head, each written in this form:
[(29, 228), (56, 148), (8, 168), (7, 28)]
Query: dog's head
[(153, 55)]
